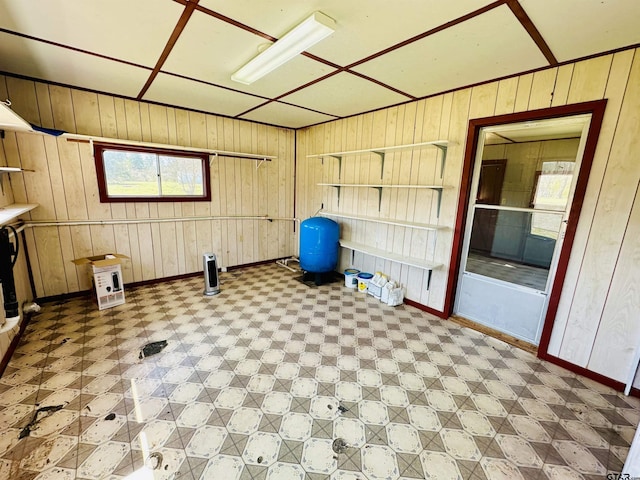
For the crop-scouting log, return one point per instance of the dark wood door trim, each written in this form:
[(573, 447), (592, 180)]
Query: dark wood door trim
[(596, 109)]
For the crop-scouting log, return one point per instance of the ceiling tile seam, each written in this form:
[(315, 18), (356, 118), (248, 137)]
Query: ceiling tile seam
[(173, 38), (284, 103), (75, 49), (309, 109), (211, 84), (430, 32), (268, 99), (233, 22), (308, 84), (378, 82), (532, 30)]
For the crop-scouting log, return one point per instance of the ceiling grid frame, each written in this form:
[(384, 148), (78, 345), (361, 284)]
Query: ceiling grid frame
[(303, 91)]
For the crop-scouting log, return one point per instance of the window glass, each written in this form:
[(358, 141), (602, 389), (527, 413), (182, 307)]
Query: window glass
[(180, 175), (130, 173), (151, 174)]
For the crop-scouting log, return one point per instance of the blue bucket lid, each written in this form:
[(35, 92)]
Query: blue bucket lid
[(365, 275), (351, 271)]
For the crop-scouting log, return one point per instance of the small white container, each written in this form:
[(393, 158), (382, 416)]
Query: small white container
[(351, 277), (384, 296), (363, 281)]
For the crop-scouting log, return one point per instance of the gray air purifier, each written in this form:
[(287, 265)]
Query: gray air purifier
[(211, 284)]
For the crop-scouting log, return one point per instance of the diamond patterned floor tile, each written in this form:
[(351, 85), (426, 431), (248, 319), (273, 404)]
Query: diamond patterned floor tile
[(258, 382)]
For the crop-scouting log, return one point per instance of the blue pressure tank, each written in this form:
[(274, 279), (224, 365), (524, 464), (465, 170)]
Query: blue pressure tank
[(319, 245)]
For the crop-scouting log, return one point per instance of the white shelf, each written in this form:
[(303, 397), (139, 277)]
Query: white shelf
[(381, 151), (13, 211), (394, 257), (379, 187), (14, 169), (435, 143), (386, 221), (10, 120), (73, 137)]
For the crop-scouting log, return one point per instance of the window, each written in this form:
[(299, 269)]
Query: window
[(551, 192), (133, 173)]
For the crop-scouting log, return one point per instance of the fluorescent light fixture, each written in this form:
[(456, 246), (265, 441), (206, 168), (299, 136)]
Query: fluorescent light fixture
[(308, 33)]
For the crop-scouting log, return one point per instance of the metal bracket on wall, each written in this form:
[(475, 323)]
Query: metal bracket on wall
[(261, 162), (381, 155), (443, 149), (439, 192), (379, 196), (339, 157), (337, 187)]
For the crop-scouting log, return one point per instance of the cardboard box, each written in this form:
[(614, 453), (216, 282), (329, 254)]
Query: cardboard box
[(105, 273)]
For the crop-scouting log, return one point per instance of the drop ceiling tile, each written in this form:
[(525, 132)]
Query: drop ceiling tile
[(211, 50), (465, 54), (344, 94), (575, 29), (276, 113), (133, 31), (181, 92), (363, 27), (43, 61)]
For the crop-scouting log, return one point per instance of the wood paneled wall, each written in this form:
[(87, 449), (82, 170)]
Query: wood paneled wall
[(597, 323), (65, 186)]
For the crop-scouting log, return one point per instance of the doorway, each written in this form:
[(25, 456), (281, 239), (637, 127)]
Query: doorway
[(520, 201), (489, 193)]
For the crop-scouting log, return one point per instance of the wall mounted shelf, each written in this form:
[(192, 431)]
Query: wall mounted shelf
[(13, 211), (5, 170), (386, 221), (381, 151), (441, 145), (72, 137), (10, 120), (394, 257), (437, 188)]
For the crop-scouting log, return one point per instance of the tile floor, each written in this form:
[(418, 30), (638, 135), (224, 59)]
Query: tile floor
[(508, 271), (259, 381)]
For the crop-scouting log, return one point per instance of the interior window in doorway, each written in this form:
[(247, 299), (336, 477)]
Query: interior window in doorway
[(520, 201)]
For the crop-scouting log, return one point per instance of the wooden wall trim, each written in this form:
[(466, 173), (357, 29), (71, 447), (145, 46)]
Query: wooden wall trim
[(182, 22), (597, 115), (596, 109), (6, 358), (532, 30), (591, 375), (425, 308)]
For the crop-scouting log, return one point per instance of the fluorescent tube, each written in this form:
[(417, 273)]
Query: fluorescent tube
[(306, 34)]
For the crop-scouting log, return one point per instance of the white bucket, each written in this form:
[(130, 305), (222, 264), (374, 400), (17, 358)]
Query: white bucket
[(351, 277), (363, 281)]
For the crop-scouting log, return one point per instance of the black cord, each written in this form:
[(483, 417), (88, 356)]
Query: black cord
[(15, 235)]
